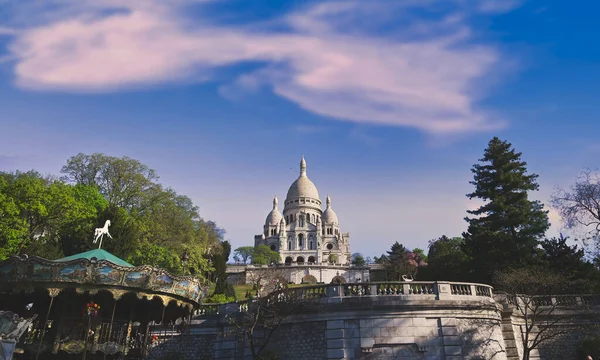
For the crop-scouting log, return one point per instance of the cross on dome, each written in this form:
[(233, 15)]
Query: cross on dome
[(303, 167)]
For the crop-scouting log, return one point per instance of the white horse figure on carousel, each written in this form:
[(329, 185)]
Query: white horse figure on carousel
[(100, 232)]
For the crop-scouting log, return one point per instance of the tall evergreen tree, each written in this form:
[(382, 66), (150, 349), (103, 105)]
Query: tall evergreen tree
[(506, 230), (396, 263)]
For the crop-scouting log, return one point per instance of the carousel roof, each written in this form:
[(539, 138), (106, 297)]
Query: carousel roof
[(99, 254), (97, 270)]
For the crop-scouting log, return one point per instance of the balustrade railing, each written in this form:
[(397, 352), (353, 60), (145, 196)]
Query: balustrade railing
[(553, 300), (460, 289), (404, 288)]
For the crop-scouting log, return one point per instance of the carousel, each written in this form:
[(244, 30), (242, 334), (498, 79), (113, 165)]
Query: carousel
[(90, 305)]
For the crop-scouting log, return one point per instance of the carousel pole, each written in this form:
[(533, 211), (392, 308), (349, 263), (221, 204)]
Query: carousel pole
[(112, 318), (52, 293)]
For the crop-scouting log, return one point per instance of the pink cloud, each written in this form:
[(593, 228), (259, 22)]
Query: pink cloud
[(426, 79)]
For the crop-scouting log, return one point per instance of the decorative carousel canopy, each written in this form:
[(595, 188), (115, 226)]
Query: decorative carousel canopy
[(99, 254), (96, 270)]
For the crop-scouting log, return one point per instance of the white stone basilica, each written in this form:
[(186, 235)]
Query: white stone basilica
[(305, 233)]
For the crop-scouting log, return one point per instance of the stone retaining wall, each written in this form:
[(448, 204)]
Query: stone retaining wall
[(403, 321)]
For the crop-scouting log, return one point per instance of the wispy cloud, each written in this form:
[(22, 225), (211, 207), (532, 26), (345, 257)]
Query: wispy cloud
[(7, 31), (309, 129), (498, 6), (391, 67)]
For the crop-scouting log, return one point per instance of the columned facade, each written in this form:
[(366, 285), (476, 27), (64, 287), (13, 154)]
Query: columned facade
[(304, 233)]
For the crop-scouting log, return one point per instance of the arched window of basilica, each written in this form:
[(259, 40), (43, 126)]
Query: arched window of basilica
[(301, 222), (310, 245), (289, 245), (300, 240)]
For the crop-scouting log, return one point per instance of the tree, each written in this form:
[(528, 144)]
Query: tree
[(446, 260), (506, 230), (396, 262), (368, 260), (332, 259), (244, 252), (534, 294), (263, 255), (45, 214), (154, 225), (13, 228), (358, 259), (579, 206), (220, 263), (558, 256), (264, 315), (123, 181), (420, 253)]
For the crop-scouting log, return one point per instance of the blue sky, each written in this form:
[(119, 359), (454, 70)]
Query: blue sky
[(391, 102)]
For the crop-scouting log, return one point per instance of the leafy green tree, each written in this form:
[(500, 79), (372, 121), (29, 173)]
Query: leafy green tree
[(263, 255), (446, 260), (220, 263), (420, 253), (45, 212), (558, 256), (244, 252), (13, 228), (123, 181), (358, 259), (506, 230), (150, 224), (332, 259), (396, 262)]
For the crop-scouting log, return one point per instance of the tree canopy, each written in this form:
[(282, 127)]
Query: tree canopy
[(263, 255), (506, 230), (400, 261), (150, 224), (446, 260), (244, 252), (358, 259)]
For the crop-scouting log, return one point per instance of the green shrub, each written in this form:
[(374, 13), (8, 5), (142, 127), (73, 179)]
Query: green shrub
[(338, 280), (219, 299), (309, 279)]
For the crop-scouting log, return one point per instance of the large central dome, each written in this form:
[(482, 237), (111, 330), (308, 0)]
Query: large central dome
[(302, 187)]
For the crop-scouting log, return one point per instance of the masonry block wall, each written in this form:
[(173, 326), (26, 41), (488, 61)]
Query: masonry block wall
[(382, 328)]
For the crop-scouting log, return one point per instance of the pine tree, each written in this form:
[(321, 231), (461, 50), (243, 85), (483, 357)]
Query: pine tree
[(396, 262), (504, 232)]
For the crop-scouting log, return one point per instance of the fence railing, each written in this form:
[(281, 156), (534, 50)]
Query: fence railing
[(537, 301), (431, 290)]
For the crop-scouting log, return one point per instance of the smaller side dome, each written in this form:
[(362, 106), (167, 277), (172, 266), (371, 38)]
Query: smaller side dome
[(274, 217), (329, 216)]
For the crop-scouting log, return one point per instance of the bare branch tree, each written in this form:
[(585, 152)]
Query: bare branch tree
[(258, 319), (536, 297), (580, 205), (266, 280)]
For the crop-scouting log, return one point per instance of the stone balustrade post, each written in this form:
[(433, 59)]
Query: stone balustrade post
[(334, 291), (473, 290), (406, 288), (442, 290), (373, 289)]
